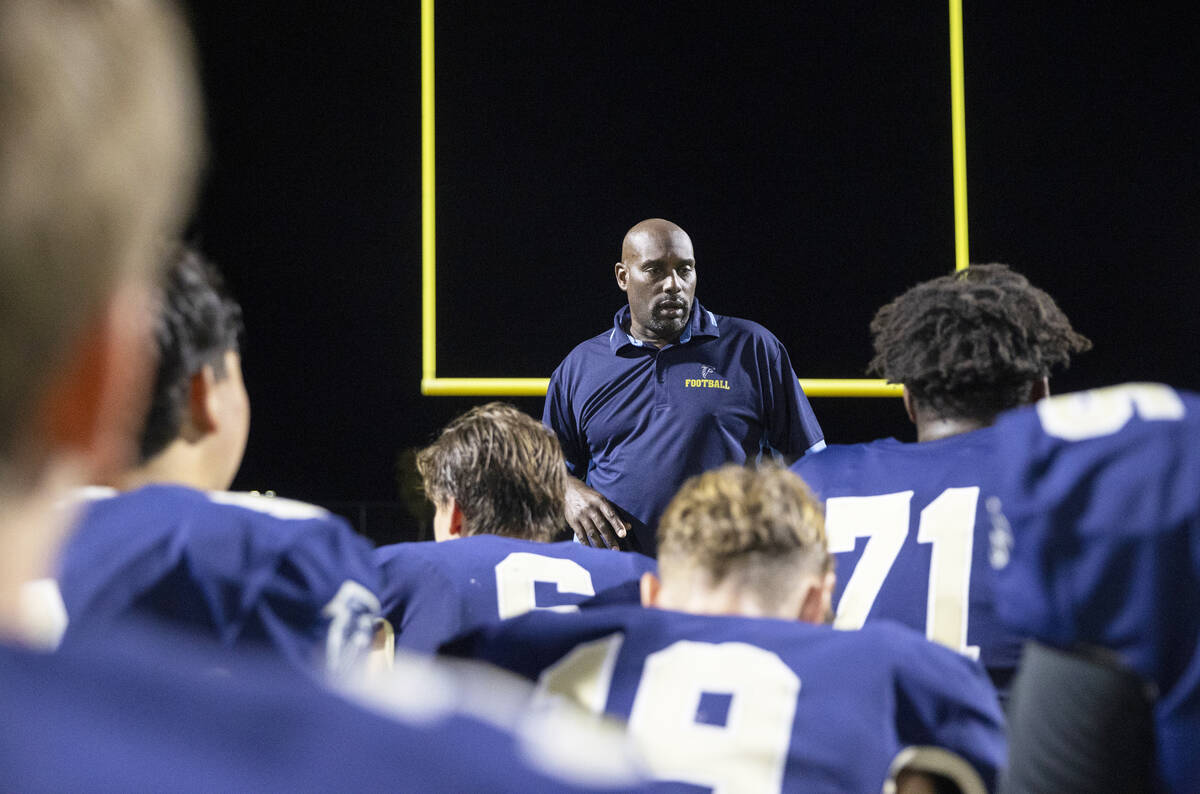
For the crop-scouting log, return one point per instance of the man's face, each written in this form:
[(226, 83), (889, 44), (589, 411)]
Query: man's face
[(659, 277)]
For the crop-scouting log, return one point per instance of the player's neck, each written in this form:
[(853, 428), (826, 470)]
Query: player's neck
[(179, 464), (938, 428), (721, 600)]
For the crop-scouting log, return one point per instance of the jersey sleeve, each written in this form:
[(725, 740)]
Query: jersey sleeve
[(557, 414), (1096, 524), (791, 426), (945, 700), (322, 592), (528, 644)]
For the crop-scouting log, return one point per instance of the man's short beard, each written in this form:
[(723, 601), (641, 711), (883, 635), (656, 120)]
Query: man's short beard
[(669, 327)]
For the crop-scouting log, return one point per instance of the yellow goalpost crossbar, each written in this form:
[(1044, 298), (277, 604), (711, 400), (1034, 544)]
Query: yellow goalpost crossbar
[(431, 384)]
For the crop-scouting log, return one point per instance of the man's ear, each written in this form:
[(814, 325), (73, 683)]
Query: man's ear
[(650, 587), (94, 406), (817, 606), (908, 406), (622, 274), (456, 519), (1039, 389), (203, 404)]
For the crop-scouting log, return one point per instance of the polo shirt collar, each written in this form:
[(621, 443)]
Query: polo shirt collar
[(701, 323)]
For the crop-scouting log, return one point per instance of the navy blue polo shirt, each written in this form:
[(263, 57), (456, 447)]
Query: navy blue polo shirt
[(635, 421)]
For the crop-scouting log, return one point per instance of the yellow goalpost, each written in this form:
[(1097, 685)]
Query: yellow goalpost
[(431, 384)]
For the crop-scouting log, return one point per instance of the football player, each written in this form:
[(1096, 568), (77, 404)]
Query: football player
[(1097, 542), (172, 544), (905, 520), (497, 480), (99, 122), (734, 681)]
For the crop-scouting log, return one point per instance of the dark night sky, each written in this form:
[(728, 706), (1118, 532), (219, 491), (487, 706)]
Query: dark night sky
[(805, 147)]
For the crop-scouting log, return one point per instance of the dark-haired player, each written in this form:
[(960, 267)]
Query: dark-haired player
[(906, 520), (1097, 542), (174, 545), (670, 390), (496, 477), (99, 140), (733, 682)]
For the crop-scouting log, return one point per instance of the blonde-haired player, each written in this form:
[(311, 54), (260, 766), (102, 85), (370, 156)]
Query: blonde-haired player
[(735, 682)]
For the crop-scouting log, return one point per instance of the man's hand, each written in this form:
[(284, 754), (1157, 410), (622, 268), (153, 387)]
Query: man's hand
[(592, 518)]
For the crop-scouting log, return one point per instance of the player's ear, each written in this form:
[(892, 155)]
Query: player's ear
[(95, 403), (1039, 389), (908, 406), (203, 402), (456, 519), (649, 586), (817, 606), (622, 274)]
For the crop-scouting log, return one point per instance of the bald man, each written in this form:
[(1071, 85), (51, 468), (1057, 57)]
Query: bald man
[(670, 391)]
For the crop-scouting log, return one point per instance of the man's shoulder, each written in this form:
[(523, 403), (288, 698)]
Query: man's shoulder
[(485, 552), (729, 326), (598, 559), (457, 554), (837, 454), (219, 526), (163, 500), (883, 647), (888, 464), (1124, 459), (168, 679)]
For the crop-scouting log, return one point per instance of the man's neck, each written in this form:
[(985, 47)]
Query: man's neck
[(721, 600), (941, 427), (648, 337), (179, 464)]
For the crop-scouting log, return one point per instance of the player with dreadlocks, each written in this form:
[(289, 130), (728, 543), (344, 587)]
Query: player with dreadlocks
[(905, 520)]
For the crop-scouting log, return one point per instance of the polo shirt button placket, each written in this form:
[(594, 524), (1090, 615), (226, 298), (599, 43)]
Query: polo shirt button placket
[(660, 390)]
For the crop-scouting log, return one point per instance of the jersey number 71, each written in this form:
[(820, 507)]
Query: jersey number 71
[(947, 523)]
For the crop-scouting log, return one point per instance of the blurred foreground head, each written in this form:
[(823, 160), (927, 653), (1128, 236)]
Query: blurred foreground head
[(99, 145), (495, 470), (745, 541)]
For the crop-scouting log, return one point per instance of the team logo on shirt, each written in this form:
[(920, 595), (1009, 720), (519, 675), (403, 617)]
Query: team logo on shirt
[(709, 379)]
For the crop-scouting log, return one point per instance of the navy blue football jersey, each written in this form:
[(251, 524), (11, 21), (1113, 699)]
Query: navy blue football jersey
[(910, 534), (435, 591), (237, 567), (145, 712), (1098, 542), (752, 704)]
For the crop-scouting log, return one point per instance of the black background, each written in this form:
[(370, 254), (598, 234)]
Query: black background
[(805, 147)]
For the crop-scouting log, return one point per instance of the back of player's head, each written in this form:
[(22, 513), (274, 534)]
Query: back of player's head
[(503, 468), (758, 528), (99, 140), (197, 323), (968, 345)]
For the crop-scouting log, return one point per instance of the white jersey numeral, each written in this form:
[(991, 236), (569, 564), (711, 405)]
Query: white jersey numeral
[(748, 752), (352, 614), (1102, 412), (518, 573), (947, 524)]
